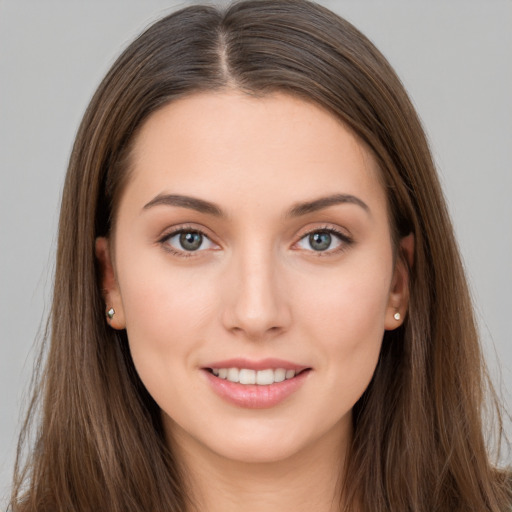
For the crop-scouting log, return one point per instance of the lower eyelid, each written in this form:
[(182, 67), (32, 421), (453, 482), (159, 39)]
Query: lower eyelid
[(342, 237), (164, 240), (343, 241)]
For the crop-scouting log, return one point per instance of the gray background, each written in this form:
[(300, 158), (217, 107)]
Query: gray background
[(455, 58)]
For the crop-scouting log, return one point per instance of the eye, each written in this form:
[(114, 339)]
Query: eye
[(323, 240), (188, 241)]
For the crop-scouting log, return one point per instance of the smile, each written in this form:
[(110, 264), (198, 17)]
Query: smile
[(248, 376), (256, 384)]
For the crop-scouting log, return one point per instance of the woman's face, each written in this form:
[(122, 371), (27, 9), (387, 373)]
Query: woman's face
[(252, 243)]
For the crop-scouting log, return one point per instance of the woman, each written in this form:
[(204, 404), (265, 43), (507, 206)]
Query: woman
[(258, 300)]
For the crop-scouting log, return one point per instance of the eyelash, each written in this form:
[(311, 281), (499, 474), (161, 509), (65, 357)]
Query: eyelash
[(345, 241), (163, 241)]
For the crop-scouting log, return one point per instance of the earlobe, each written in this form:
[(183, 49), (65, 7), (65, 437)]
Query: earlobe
[(399, 292), (114, 312)]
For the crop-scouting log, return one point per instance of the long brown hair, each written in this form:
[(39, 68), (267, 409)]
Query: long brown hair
[(419, 442)]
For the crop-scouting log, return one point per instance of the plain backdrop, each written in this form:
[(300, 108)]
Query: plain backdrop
[(454, 57)]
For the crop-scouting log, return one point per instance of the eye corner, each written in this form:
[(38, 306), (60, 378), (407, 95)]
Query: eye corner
[(329, 241), (176, 242)]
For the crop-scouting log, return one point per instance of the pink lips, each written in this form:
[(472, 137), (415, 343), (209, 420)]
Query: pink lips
[(262, 364), (255, 396)]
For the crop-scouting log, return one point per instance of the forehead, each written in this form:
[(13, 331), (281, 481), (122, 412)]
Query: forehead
[(233, 148)]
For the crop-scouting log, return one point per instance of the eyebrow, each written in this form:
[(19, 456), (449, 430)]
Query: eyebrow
[(297, 210), (324, 202), (192, 203)]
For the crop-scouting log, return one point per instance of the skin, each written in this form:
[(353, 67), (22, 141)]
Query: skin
[(256, 289)]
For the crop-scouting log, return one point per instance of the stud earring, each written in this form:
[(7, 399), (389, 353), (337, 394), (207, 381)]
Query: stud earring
[(397, 316), (110, 313)]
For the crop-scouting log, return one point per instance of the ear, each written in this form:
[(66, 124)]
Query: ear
[(109, 286), (399, 292)]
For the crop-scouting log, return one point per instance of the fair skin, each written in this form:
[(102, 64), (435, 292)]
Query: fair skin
[(260, 278)]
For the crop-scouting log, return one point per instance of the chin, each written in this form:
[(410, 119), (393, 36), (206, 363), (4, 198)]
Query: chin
[(262, 440)]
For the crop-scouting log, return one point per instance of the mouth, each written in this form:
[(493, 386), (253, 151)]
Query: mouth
[(248, 376), (256, 384)]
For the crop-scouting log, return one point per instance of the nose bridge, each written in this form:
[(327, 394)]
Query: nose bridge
[(257, 305)]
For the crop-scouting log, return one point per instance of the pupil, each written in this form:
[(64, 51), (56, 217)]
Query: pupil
[(320, 241), (191, 241)]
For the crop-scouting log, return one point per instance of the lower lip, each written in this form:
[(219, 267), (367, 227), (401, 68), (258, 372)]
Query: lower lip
[(253, 396)]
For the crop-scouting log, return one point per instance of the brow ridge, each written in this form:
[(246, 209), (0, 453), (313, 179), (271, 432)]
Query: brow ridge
[(182, 201), (296, 210), (304, 208)]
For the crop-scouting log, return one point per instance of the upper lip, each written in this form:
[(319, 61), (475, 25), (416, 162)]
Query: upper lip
[(261, 364)]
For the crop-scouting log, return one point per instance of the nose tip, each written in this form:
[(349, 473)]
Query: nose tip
[(255, 324), (257, 307)]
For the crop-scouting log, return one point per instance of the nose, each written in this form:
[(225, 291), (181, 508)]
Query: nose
[(257, 306)]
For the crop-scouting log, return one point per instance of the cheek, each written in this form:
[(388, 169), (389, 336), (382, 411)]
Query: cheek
[(348, 302), (166, 310), (345, 314)]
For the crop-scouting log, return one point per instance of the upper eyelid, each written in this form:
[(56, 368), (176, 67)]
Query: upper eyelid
[(329, 228), (190, 227), (163, 241), (184, 228), (344, 238)]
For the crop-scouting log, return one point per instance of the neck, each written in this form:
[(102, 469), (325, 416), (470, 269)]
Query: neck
[(307, 480)]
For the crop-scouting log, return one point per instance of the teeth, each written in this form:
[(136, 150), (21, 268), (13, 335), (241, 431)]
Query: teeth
[(279, 375), (260, 377), (247, 376), (290, 374), (265, 377), (233, 374)]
